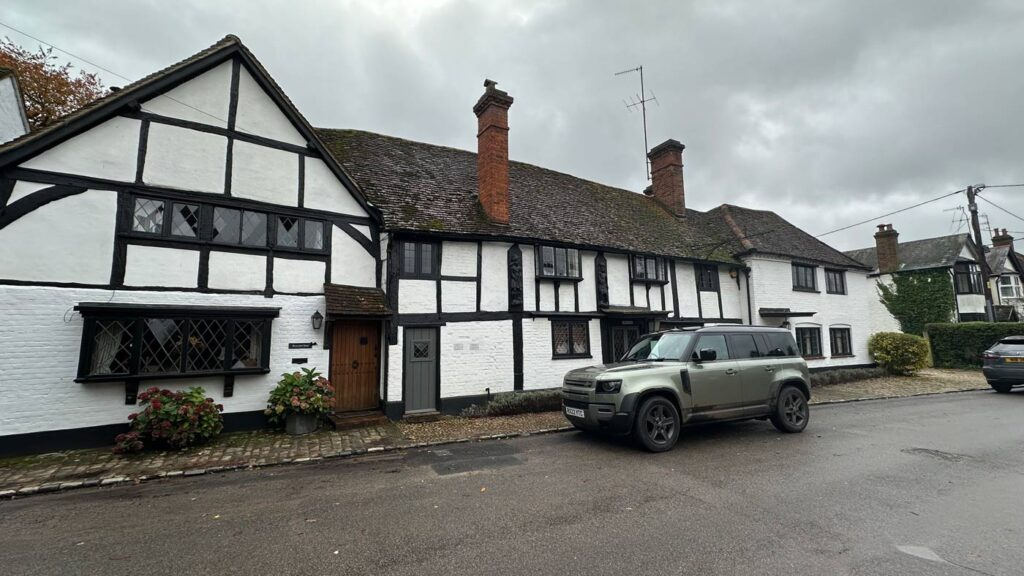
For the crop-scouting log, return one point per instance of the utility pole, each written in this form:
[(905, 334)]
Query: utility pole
[(972, 205)]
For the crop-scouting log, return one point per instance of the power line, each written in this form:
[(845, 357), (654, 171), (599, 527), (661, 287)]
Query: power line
[(891, 213), (1000, 207), (109, 71)]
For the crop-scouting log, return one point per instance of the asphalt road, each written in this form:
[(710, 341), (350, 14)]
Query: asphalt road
[(927, 485)]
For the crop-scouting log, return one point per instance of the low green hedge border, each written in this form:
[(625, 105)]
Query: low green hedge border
[(960, 345), (508, 403)]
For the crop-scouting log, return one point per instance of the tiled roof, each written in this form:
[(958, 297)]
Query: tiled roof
[(765, 232), (940, 252), (424, 187), (354, 301)]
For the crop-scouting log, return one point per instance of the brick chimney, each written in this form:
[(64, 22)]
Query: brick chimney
[(492, 151), (887, 246), (667, 176), (1002, 238)]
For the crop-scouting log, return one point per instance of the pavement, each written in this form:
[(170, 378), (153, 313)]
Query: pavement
[(914, 486)]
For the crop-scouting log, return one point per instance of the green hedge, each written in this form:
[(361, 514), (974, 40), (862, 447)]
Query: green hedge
[(961, 345), (898, 353), (508, 403)]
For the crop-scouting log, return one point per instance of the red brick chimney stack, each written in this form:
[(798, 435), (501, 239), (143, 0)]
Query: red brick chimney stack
[(1002, 238), (492, 151), (667, 176), (887, 248)]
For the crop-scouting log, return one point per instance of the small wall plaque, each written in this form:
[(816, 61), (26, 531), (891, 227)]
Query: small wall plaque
[(300, 345), (300, 360)]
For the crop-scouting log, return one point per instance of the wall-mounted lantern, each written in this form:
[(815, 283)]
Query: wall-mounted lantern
[(318, 320)]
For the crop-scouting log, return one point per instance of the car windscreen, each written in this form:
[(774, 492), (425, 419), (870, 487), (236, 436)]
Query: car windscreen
[(668, 346)]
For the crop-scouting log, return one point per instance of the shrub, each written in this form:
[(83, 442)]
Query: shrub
[(842, 375), (171, 419), (305, 392), (961, 345), (508, 403), (901, 354), (918, 298)]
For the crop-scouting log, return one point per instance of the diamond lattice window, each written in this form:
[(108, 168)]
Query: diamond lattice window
[(185, 221), (148, 216), (226, 225), (288, 232), (161, 346), (112, 347), (248, 345), (206, 343)]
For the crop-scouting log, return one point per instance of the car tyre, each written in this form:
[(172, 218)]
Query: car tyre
[(1001, 387), (791, 412), (657, 424)]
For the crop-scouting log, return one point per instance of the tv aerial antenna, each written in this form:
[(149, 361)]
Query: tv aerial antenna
[(639, 101)]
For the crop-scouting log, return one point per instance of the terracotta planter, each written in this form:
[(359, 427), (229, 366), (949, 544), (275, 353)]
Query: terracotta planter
[(298, 424)]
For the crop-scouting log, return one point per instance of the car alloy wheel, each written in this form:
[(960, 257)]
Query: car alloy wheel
[(660, 425)]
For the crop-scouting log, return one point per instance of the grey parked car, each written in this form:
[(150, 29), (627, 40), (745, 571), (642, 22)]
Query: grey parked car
[(686, 376), (1003, 364)]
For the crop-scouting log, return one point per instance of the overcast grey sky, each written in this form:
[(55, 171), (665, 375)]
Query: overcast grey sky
[(828, 112)]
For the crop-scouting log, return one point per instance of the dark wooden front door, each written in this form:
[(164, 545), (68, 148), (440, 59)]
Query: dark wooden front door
[(355, 362)]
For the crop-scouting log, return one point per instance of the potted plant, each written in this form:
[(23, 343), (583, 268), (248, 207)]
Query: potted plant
[(300, 400)]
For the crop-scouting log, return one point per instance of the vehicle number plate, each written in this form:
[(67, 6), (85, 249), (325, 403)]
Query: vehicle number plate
[(1021, 359), (574, 412)]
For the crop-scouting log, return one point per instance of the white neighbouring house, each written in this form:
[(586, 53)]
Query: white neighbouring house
[(191, 229)]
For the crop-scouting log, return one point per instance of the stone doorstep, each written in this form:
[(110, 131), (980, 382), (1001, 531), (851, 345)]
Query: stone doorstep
[(6, 494), (120, 480)]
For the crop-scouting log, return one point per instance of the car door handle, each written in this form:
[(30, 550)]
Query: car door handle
[(730, 372), (769, 369)]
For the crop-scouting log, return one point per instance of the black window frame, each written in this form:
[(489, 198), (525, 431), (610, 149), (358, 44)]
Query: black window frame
[(640, 275), (555, 355), (970, 274), (798, 286), (205, 234), (842, 346), (835, 281), (136, 315), (556, 250), (816, 340), (418, 260), (707, 277)]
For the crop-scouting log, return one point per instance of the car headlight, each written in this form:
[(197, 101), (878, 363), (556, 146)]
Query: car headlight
[(609, 386)]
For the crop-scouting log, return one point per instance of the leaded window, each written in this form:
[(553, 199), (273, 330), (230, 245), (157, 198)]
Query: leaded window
[(148, 216), (805, 277), (313, 235), (808, 340), (254, 228), (554, 262), (418, 260), (647, 269), (185, 220), (227, 225), (133, 343), (570, 339), (288, 232), (707, 277)]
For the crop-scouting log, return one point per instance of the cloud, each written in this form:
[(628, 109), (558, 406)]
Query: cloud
[(827, 112)]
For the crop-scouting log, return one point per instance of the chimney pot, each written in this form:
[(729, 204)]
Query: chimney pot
[(1002, 238), (492, 151), (667, 176)]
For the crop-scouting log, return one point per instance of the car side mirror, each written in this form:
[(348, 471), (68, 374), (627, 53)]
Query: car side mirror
[(708, 354)]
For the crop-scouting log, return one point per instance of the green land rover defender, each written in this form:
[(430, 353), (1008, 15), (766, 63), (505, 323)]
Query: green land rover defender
[(692, 375)]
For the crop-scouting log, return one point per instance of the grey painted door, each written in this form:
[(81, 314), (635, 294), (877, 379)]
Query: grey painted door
[(420, 369)]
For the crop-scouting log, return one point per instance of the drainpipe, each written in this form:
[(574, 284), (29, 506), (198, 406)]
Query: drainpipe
[(750, 310)]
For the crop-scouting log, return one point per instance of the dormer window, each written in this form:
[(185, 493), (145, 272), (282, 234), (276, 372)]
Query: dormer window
[(558, 263), (647, 269)]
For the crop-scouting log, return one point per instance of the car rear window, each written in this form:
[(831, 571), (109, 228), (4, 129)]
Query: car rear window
[(781, 344), (1008, 346)]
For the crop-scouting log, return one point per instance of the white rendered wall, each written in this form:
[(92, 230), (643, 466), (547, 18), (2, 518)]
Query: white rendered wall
[(396, 363), (618, 279), (266, 174), (204, 99), (185, 159), (68, 240), (687, 290), (529, 277), (323, 191), (639, 297), (458, 258), (152, 266), (540, 370), (230, 271), (494, 277), (109, 151), (546, 291), (709, 304), (417, 296), (476, 356), (733, 303), (351, 264), (771, 283), (567, 296), (12, 115), (23, 189), (39, 327), (299, 275), (258, 114), (588, 285), (458, 296)]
